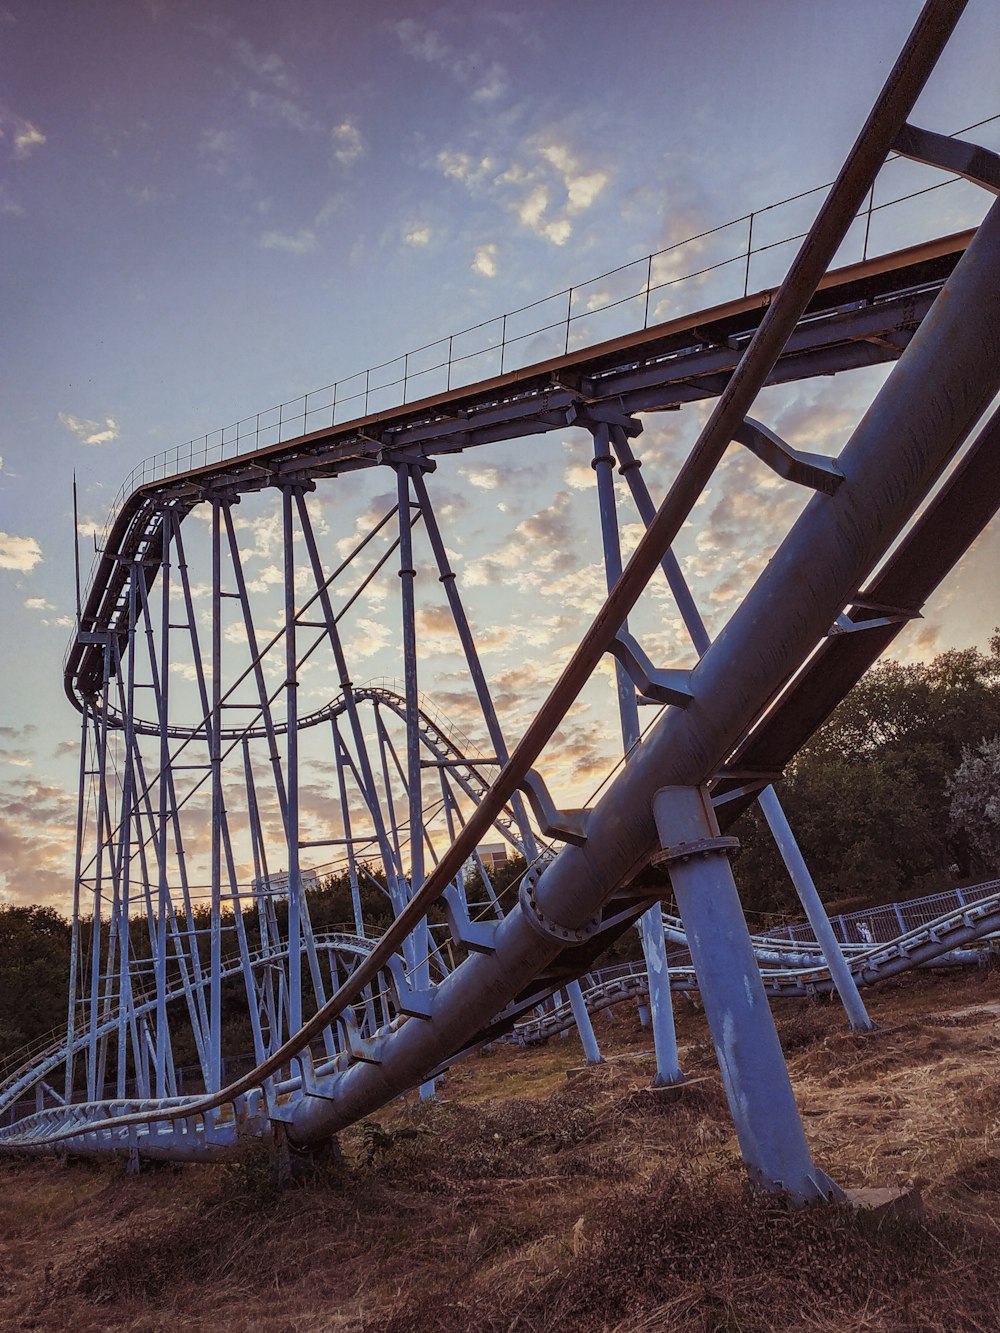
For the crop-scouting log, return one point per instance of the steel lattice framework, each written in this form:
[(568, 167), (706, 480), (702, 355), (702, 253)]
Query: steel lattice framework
[(198, 757)]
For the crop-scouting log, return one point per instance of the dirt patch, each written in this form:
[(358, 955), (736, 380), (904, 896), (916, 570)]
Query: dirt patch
[(520, 1201)]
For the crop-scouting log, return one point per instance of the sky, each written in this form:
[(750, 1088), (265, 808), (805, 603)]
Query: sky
[(210, 208)]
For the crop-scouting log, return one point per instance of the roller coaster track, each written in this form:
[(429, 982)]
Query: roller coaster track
[(934, 942), (795, 975), (870, 545)]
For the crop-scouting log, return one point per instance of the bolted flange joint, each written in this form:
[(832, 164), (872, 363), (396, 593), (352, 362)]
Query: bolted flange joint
[(686, 851), (545, 926)]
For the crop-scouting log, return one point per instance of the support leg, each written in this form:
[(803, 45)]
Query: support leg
[(771, 1138)]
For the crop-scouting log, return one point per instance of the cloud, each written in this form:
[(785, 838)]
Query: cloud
[(8, 206), (24, 136), (486, 477), (462, 167), (486, 81), (492, 85), (38, 604), (277, 110), (269, 68), (217, 147), (348, 144), (546, 186), (91, 432), (582, 187), (37, 842), (485, 261), (300, 242), (417, 236), (20, 553), (554, 172)]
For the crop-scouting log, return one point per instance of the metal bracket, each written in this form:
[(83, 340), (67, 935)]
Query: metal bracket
[(813, 470), (974, 163), (715, 339), (662, 686), (609, 413), (414, 1003), (891, 615), (685, 851), (408, 456), (544, 925), (480, 936), (365, 1049), (752, 781), (566, 825)]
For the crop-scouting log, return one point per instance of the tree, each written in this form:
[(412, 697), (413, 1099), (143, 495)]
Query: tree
[(34, 974), (868, 795), (975, 801)]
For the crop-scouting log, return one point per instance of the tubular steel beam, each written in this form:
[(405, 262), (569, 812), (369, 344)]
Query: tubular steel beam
[(933, 398), (887, 117)]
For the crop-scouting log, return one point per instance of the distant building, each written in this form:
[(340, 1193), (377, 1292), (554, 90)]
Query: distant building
[(276, 886), (492, 855)]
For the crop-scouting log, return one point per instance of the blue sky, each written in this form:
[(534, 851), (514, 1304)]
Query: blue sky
[(207, 208)]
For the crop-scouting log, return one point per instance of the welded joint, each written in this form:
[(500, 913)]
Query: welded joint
[(480, 936), (410, 1001), (689, 851), (813, 470), (662, 686), (566, 825), (971, 161), (366, 1049), (546, 926)]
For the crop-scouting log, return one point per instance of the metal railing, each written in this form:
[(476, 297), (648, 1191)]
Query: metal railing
[(551, 326), (884, 923)]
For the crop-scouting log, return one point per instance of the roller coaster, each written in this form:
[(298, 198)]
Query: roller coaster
[(202, 769)]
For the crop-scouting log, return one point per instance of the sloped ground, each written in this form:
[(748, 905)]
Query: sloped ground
[(526, 1201)]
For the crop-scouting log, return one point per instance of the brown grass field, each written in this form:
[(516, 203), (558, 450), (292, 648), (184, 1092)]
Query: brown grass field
[(524, 1201)]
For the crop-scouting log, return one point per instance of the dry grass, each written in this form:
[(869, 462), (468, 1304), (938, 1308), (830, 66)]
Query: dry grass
[(522, 1201)]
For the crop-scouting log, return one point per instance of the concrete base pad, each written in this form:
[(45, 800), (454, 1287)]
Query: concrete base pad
[(887, 1201)]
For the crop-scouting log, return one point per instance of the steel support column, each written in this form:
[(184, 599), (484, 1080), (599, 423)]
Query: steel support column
[(770, 805), (931, 401), (654, 946), (770, 1134)]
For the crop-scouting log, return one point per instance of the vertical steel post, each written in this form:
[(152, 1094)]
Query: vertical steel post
[(74, 945), (292, 767), (100, 717), (770, 1134), (407, 576), (215, 760), (125, 835), (654, 946), (163, 903), (771, 808)]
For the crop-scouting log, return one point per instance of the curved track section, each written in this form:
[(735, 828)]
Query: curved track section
[(946, 939)]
